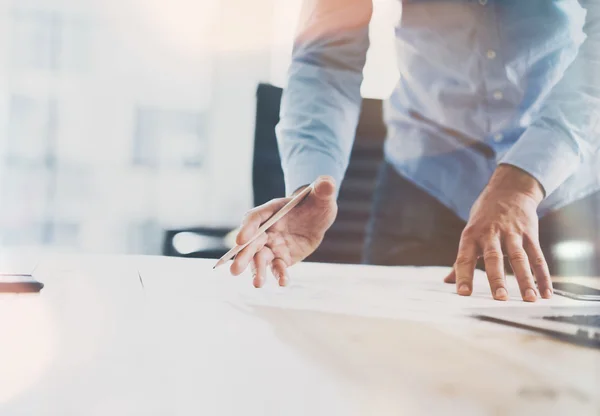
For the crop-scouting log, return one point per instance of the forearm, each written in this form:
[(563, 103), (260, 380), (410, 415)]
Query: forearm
[(318, 123), (321, 103), (566, 131)]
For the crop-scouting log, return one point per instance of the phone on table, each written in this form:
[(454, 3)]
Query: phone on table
[(575, 291), (19, 283)]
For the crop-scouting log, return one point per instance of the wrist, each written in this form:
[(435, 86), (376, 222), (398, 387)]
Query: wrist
[(509, 178)]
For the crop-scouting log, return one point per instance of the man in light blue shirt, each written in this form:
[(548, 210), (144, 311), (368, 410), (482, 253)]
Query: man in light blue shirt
[(494, 123)]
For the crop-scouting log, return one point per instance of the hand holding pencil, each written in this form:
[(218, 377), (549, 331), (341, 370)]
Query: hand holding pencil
[(287, 238)]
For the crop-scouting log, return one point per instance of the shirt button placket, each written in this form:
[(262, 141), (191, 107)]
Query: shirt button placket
[(493, 69)]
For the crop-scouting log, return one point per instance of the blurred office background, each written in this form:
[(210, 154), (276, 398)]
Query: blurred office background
[(120, 119)]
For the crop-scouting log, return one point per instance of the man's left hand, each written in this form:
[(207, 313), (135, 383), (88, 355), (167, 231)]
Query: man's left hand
[(504, 220)]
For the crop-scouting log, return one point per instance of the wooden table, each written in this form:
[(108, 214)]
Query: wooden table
[(164, 336)]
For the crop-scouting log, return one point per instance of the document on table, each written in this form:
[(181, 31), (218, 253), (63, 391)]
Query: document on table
[(417, 293)]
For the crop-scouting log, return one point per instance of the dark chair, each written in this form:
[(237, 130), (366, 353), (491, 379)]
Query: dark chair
[(343, 243)]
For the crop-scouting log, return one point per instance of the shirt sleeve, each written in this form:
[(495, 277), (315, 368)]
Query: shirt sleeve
[(321, 103), (566, 131)]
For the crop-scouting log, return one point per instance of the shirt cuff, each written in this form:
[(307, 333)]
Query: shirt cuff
[(306, 169), (548, 155)]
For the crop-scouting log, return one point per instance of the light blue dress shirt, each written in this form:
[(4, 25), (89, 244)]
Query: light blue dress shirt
[(482, 82)]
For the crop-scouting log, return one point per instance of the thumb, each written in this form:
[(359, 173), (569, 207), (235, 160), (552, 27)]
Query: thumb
[(451, 277), (324, 189)]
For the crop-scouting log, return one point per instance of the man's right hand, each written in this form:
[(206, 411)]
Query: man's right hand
[(291, 239)]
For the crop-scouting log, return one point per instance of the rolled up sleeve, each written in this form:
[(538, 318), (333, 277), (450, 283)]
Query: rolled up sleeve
[(566, 131), (321, 103)]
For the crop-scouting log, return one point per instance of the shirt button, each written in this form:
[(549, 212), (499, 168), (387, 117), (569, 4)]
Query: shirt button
[(498, 95), (491, 54), (483, 2), (498, 137)]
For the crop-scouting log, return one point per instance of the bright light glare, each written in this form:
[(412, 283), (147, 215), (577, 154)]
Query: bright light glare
[(573, 250), (186, 242)]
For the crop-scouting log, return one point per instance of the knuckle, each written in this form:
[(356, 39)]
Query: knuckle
[(543, 282), (266, 255), (496, 280), (518, 256), (490, 230), (526, 275), (538, 261), (249, 215), (492, 254), (468, 233), (463, 260), (261, 256), (513, 235)]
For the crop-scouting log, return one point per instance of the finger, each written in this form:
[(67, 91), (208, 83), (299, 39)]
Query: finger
[(257, 216), (324, 190), (538, 264), (451, 277), (279, 270), (464, 267), (261, 260), (520, 265), (245, 256), (253, 269), (494, 267)]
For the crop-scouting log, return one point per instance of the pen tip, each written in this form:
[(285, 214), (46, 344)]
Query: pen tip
[(219, 263)]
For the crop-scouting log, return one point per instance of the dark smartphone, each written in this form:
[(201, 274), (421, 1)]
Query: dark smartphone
[(575, 291), (19, 283)]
